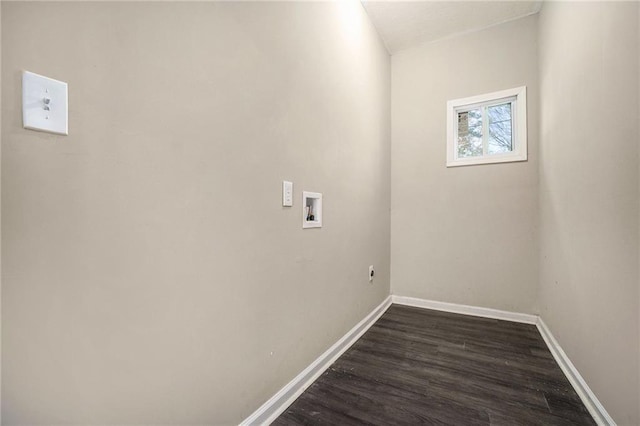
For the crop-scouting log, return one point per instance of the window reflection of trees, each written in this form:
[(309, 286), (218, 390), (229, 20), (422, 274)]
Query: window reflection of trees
[(470, 131)]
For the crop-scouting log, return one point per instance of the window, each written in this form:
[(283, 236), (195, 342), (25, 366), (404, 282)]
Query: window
[(489, 128)]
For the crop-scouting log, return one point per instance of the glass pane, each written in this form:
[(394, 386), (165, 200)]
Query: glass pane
[(500, 129), (470, 133)]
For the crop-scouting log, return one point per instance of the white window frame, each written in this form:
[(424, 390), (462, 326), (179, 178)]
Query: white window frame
[(518, 96)]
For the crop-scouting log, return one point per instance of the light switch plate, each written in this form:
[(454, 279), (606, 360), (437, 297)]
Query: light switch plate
[(287, 193), (44, 104)]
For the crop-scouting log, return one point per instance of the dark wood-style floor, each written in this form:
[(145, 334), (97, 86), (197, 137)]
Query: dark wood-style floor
[(420, 366)]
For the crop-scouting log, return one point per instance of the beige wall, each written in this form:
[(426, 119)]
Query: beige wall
[(464, 234), (0, 218), (150, 274), (589, 194)]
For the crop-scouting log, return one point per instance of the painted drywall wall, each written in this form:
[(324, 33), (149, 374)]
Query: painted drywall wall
[(589, 194), (151, 275), (464, 234), (0, 217)]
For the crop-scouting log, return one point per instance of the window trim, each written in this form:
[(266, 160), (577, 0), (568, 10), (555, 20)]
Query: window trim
[(519, 127)]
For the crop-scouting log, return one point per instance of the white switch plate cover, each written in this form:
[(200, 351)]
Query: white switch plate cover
[(287, 193), (36, 90)]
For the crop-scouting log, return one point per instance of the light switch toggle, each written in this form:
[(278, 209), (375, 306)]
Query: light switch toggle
[(46, 102)]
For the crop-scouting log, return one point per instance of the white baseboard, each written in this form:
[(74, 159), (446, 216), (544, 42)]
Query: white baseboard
[(278, 403), (596, 409), (591, 402), (275, 406), (475, 311)]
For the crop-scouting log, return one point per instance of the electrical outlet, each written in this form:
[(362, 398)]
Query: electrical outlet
[(371, 273)]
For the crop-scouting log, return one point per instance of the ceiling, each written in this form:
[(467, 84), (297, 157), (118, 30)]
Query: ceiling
[(404, 24)]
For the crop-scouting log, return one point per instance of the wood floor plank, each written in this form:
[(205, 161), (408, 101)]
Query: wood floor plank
[(417, 366)]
